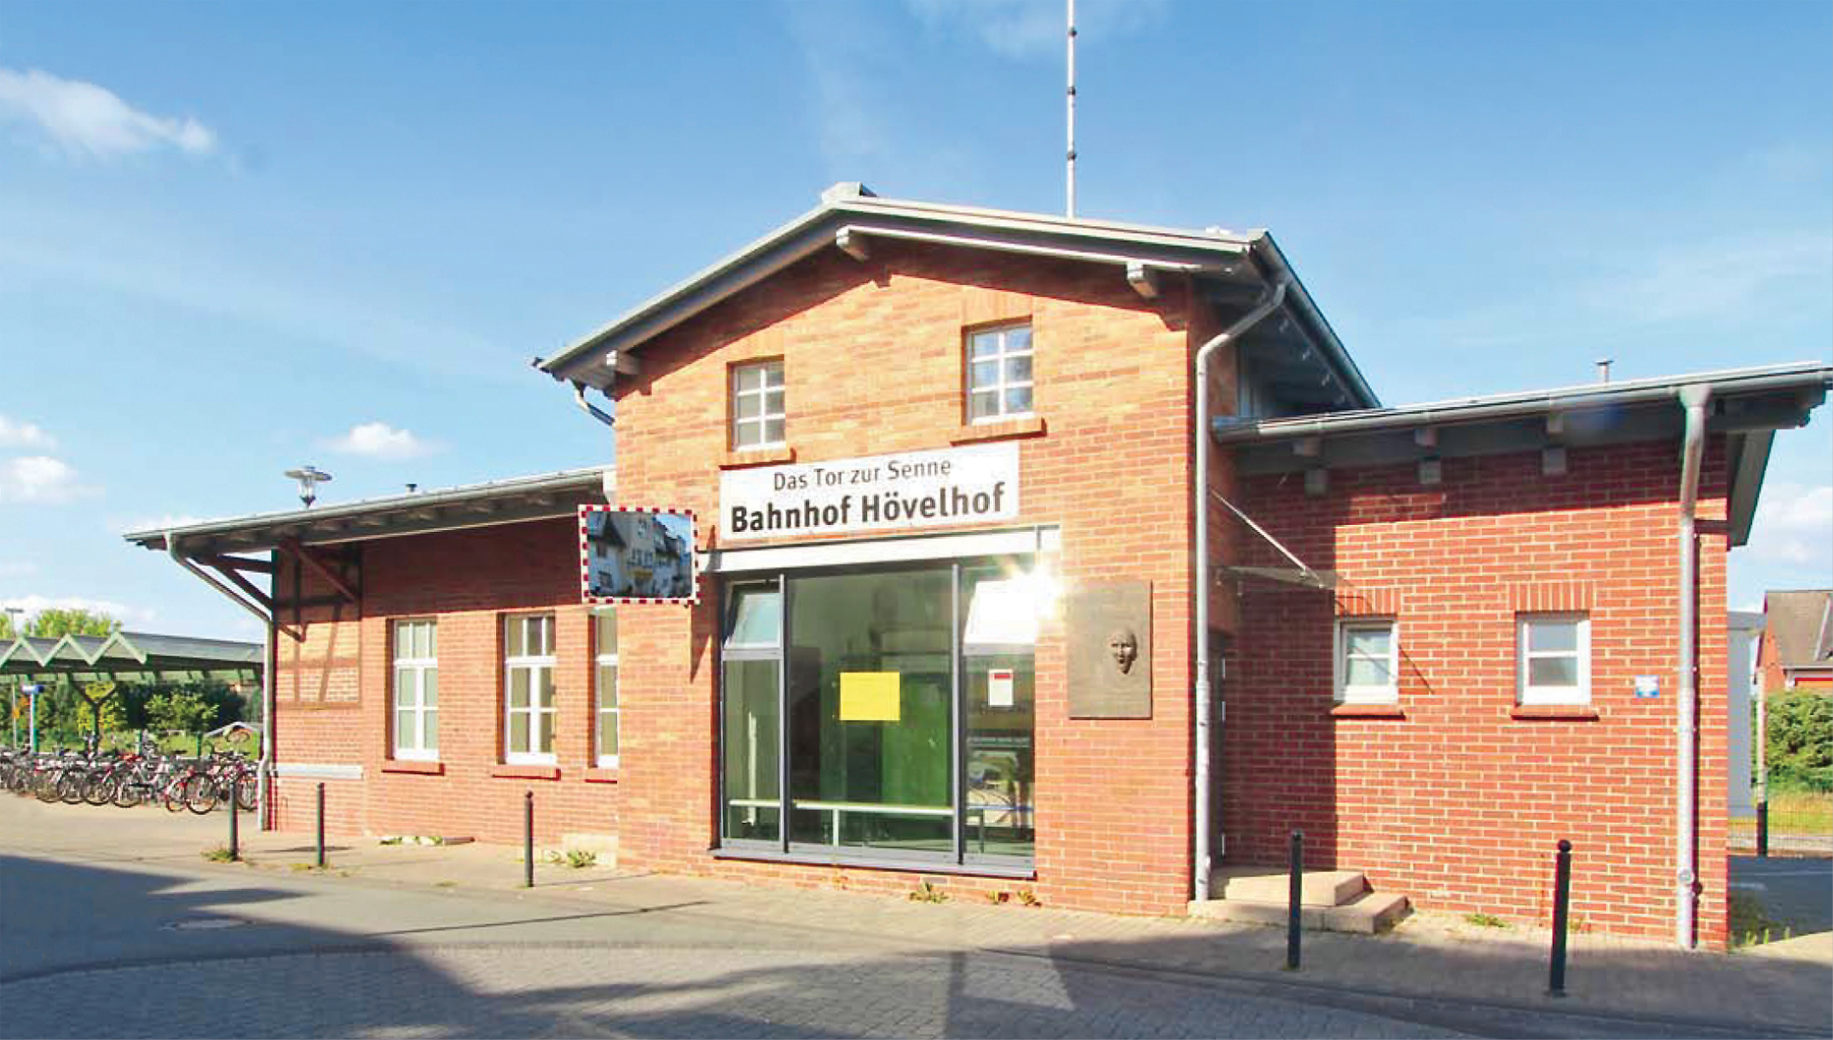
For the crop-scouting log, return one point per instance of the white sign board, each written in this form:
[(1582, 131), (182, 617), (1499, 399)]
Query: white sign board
[(880, 493)]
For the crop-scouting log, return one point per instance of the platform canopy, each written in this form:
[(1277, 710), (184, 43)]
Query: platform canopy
[(130, 657)]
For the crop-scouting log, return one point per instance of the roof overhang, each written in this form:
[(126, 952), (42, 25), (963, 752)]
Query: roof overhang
[(474, 505), (1230, 269), (1747, 405)]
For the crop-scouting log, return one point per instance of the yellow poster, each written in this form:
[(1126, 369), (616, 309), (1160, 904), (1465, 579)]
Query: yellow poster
[(870, 696)]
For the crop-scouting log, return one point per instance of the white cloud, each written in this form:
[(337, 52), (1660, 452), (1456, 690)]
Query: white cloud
[(17, 568), (378, 440), (1717, 279), (41, 479), (1794, 525), (88, 121), (127, 615), (1033, 28), (23, 435)]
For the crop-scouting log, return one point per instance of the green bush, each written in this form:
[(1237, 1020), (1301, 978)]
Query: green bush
[(1801, 740)]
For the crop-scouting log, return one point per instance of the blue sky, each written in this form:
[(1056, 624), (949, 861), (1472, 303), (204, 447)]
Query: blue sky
[(234, 239)]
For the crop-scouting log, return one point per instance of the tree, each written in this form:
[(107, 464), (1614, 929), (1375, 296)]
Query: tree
[(52, 622), (180, 710)]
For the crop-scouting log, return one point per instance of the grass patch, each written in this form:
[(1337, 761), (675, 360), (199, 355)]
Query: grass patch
[(220, 854), (1486, 920), (928, 893)]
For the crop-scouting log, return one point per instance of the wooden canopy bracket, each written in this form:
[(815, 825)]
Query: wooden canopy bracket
[(293, 548)]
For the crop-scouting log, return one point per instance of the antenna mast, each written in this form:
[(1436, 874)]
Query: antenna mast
[(1070, 208)]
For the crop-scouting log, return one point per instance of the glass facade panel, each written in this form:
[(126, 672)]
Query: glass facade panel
[(847, 684), (1001, 756), (757, 617), (870, 710), (751, 740)]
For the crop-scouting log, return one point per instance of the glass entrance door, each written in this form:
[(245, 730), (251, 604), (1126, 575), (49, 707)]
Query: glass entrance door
[(870, 710)]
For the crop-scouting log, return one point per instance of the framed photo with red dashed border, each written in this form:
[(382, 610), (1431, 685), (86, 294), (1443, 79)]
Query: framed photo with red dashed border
[(637, 555)]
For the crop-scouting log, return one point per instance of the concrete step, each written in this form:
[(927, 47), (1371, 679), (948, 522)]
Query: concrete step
[(1368, 913), (1319, 888)]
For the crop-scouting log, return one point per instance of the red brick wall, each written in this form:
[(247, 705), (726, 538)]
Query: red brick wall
[(1457, 804), (872, 356), (333, 691)]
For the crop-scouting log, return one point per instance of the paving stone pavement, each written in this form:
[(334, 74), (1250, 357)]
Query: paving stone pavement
[(1434, 972), (516, 990)]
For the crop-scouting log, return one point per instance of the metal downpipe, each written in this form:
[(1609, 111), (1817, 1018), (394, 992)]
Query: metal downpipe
[(1202, 446), (579, 398), (1686, 707)]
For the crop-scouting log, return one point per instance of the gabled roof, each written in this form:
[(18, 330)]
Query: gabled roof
[(850, 217), (1801, 623)]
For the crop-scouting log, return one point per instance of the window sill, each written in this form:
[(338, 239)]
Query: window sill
[(1567, 712), (414, 765), (766, 855), (757, 457), (528, 772), (993, 431), (1367, 711), (600, 775)]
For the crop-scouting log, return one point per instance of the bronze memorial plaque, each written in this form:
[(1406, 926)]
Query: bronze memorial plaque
[(1109, 630)]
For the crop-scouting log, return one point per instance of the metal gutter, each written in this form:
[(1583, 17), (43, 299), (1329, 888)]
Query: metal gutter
[(560, 481), (1006, 246), (799, 239), (1807, 375)]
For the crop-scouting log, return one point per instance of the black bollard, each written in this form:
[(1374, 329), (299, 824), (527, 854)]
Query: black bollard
[(1294, 894), (528, 840), (1763, 829), (321, 825), (1562, 893), (235, 825)]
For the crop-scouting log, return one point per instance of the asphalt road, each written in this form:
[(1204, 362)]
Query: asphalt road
[(1795, 892)]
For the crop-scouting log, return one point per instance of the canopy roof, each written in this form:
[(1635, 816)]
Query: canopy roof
[(471, 505), (1747, 405), (131, 657)]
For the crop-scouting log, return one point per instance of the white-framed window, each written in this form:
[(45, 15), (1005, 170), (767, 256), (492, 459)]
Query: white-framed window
[(757, 405), (528, 689), (1368, 661), (1553, 658), (999, 373), (416, 677), (604, 688)]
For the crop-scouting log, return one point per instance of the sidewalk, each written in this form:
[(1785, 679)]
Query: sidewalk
[(1428, 958)]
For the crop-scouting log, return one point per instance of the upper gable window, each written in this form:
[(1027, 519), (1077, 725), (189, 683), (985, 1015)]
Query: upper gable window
[(757, 405), (999, 373)]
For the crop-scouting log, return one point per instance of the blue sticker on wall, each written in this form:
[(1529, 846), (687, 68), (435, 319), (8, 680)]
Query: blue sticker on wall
[(1648, 686)]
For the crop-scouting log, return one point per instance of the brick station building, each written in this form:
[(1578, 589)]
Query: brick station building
[(943, 472)]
